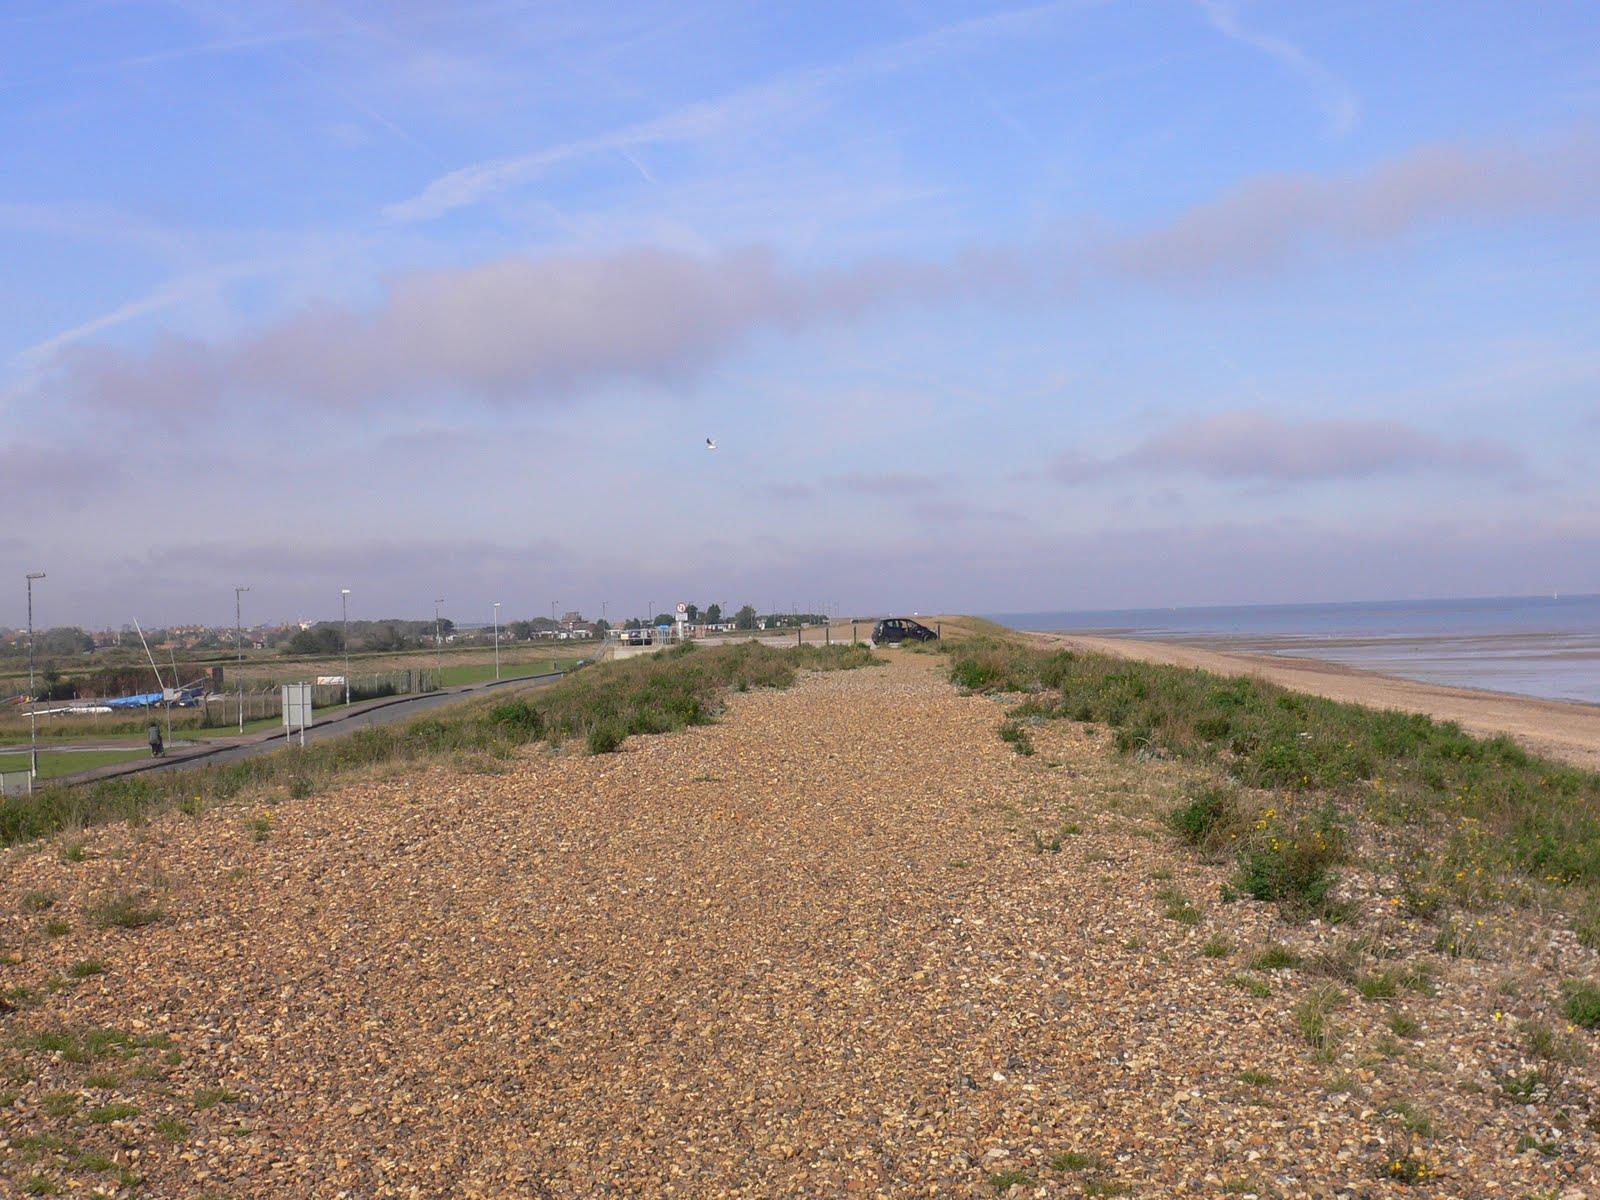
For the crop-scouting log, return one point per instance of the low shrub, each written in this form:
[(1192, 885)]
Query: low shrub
[(1581, 1001), (1210, 820)]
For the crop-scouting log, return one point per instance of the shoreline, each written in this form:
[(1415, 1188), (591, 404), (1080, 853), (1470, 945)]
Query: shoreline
[(1568, 730)]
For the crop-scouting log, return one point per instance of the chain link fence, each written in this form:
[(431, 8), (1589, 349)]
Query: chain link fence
[(223, 708)]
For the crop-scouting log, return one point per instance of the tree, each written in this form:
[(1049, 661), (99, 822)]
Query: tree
[(663, 619), (713, 614), (520, 631), (745, 618), (63, 640), (322, 638), (693, 613)]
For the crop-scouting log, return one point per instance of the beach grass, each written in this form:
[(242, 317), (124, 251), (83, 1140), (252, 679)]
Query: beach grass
[(1296, 780), (599, 707)]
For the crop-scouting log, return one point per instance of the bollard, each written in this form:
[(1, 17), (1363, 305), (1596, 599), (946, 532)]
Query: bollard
[(797, 637), (827, 635)]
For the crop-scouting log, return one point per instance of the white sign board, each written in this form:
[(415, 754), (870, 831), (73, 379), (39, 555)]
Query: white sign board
[(296, 705)]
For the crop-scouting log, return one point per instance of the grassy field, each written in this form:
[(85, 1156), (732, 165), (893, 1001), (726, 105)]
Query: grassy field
[(482, 672), (597, 708), (1301, 788), (465, 665), (54, 764)]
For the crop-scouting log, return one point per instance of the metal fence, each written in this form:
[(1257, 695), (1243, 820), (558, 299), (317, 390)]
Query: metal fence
[(222, 708)]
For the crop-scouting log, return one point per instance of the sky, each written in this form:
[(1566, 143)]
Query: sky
[(988, 307)]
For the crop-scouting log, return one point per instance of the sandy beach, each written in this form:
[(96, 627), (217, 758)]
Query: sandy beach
[(1564, 730)]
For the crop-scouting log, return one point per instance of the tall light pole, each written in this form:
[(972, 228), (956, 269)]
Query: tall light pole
[(438, 646), (497, 639), (33, 705), (238, 647), (344, 612)]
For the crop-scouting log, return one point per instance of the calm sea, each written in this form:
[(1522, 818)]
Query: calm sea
[(1532, 645)]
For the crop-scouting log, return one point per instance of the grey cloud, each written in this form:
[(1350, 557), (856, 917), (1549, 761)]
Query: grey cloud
[(516, 330), (1258, 446), (889, 484), (69, 477), (521, 330), (788, 491), (1265, 222)]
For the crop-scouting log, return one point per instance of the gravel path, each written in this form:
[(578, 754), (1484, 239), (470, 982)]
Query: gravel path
[(813, 950)]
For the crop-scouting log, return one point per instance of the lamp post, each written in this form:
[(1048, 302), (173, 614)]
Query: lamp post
[(238, 647), (438, 646), (497, 639), (344, 612), (33, 706)]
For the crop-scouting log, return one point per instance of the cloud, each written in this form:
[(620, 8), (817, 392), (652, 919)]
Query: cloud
[(1264, 223), (1250, 445), (70, 477), (516, 330), (529, 331), (889, 484), (754, 110), (1338, 101)]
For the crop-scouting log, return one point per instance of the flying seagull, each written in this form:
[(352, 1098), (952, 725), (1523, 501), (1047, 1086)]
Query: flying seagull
[(710, 445)]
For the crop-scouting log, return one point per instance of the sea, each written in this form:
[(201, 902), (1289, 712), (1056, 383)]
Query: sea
[(1546, 646)]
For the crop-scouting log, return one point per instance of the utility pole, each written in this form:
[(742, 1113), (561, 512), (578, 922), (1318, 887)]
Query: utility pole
[(33, 700), (497, 639), (438, 646), (344, 611), (238, 647)]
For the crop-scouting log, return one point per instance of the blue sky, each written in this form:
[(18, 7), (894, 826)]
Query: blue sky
[(988, 307)]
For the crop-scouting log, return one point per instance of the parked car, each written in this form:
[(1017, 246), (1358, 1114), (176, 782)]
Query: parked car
[(894, 630)]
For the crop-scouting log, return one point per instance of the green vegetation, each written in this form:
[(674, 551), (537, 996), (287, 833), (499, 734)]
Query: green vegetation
[(1296, 777), (1217, 946), (599, 707), (1582, 1004), (1311, 1017), (1073, 1160), (122, 910), (55, 764), (1274, 957)]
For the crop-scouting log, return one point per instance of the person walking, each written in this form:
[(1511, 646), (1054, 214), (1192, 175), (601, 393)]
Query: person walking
[(156, 749)]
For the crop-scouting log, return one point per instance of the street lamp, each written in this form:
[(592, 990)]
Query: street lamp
[(238, 647), (344, 612), (497, 639), (438, 646), (33, 700)]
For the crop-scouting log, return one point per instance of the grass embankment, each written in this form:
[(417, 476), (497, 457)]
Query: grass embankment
[(1294, 786), (599, 707), (54, 764)]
